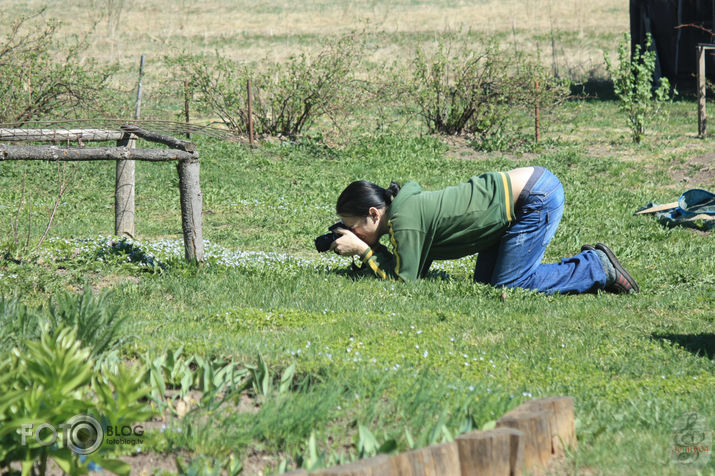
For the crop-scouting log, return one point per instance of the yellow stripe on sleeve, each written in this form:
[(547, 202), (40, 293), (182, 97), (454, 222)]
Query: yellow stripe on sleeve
[(367, 254), (394, 245), (507, 196), (376, 269)]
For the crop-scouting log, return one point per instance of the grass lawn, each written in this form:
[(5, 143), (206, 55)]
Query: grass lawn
[(378, 366), (414, 363)]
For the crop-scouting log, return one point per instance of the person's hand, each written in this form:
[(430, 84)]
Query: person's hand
[(348, 244)]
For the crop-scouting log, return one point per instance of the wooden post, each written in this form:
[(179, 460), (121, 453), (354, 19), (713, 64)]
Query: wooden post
[(560, 412), (138, 108), (124, 193), (435, 460), (537, 436), (191, 207), (250, 113), (376, 466), (124, 186), (702, 119), (495, 452), (186, 107)]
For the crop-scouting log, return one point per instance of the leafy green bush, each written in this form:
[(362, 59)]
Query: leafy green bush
[(97, 322), (36, 82), (17, 322), (52, 381), (633, 84), (288, 97)]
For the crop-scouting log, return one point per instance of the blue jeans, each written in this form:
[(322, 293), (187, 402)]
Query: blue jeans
[(515, 261)]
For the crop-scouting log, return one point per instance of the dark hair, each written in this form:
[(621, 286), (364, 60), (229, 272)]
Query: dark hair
[(358, 197)]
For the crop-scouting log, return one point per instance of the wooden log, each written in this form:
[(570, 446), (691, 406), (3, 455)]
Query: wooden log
[(562, 425), (702, 118), (191, 205), (376, 466), (62, 135), (124, 193), (73, 154), (497, 452), (184, 145), (537, 436), (435, 460), (297, 472)]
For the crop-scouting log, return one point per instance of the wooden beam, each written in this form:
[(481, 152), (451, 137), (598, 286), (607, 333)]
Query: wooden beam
[(184, 145), (69, 154), (61, 135)]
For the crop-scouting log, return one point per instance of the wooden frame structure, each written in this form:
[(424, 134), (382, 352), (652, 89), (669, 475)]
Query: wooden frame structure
[(183, 152)]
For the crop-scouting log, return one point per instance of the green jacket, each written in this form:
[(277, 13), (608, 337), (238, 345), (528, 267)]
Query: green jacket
[(443, 224)]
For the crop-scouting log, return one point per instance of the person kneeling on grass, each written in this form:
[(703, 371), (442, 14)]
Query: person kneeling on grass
[(506, 217)]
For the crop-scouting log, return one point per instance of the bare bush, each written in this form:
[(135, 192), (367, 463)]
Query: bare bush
[(471, 87), (41, 76), (287, 97)]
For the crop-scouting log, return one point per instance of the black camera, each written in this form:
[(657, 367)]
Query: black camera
[(323, 242)]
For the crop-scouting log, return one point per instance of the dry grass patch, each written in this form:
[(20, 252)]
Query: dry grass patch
[(125, 29)]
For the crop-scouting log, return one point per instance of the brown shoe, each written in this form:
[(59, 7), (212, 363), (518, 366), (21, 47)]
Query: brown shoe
[(623, 282)]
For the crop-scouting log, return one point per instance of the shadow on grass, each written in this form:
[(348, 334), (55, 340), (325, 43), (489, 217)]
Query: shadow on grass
[(355, 273), (594, 89), (699, 344)]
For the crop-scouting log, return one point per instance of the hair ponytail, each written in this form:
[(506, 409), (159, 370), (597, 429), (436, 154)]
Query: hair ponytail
[(360, 196), (391, 192)]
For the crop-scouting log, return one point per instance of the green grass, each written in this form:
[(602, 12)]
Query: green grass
[(390, 356)]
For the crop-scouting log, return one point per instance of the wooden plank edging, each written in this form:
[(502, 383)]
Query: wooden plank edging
[(525, 440)]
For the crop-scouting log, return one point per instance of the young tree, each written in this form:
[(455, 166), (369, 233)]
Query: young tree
[(633, 84)]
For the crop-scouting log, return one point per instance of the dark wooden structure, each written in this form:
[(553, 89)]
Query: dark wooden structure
[(677, 27)]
